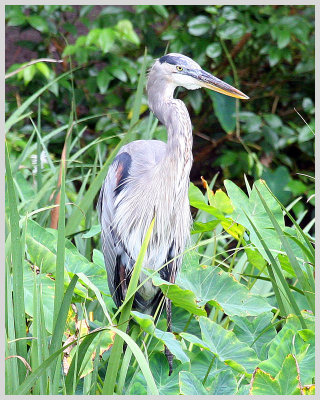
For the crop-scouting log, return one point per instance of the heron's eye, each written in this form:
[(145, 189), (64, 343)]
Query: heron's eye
[(179, 68)]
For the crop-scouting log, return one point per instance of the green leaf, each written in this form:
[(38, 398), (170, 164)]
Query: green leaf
[(38, 23), (93, 231), (118, 72), (205, 226), (273, 120), (274, 56), (254, 209), (199, 25), (126, 31), (44, 69), (277, 181), (190, 385), (106, 39), (264, 384), (179, 297), (210, 283), (161, 10), (223, 383), (283, 38), (256, 259), (288, 377), (255, 332), (224, 344), (195, 194), (231, 31), (147, 324), (224, 108), (103, 81), (93, 36), (167, 385), (213, 50), (222, 202), (28, 73)]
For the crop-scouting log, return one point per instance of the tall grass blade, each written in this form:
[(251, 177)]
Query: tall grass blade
[(17, 269), (300, 231), (303, 282), (280, 276), (59, 274), (74, 372), (143, 364)]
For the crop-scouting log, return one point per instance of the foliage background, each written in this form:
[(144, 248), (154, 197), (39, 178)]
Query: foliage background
[(268, 53), (272, 52)]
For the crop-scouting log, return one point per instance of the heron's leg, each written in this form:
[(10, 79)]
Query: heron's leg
[(167, 352)]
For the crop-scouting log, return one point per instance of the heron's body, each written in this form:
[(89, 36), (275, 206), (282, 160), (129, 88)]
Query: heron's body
[(150, 178)]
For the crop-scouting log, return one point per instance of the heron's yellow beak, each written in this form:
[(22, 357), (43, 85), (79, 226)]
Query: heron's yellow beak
[(211, 82)]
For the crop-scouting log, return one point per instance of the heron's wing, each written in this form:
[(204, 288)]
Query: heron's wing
[(118, 260)]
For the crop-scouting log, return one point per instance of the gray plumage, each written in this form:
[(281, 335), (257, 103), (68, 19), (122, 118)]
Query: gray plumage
[(151, 178)]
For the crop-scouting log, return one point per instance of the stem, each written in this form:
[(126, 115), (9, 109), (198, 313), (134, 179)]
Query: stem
[(208, 371)]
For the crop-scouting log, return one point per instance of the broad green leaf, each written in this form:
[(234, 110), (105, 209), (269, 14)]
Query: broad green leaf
[(264, 383), (167, 385), (255, 332), (179, 297), (223, 383), (277, 181), (195, 194), (224, 344), (210, 283), (147, 324), (254, 209), (190, 385), (256, 259), (288, 377), (205, 226), (41, 245), (222, 202), (307, 335)]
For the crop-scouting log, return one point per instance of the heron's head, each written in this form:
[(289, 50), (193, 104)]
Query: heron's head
[(179, 70)]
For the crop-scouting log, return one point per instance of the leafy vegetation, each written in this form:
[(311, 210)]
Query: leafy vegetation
[(243, 303)]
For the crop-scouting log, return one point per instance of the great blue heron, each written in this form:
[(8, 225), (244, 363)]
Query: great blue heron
[(151, 178)]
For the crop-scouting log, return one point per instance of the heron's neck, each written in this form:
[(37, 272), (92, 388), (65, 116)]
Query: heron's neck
[(174, 115)]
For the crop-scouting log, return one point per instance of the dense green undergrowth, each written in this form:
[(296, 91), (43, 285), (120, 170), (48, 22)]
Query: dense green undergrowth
[(243, 302)]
